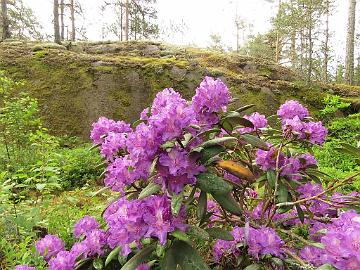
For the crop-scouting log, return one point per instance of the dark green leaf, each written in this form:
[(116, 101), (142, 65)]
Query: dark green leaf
[(202, 205), (227, 126), (198, 233), (207, 132), (112, 255), (211, 183), (300, 213), (236, 119), (282, 193), (228, 202), (255, 141), (254, 266), (271, 176), (139, 258), (98, 264), (176, 202), (184, 255), (181, 236), (150, 189), (326, 267), (136, 123), (209, 152), (217, 141), (244, 108), (219, 233)]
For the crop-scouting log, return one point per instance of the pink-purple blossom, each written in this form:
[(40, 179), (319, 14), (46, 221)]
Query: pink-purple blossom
[(257, 119), (64, 260), (85, 226), (24, 267), (292, 108), (49, 246), (104, 126)]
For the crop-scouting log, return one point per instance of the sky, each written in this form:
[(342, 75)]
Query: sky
[(201, 17)]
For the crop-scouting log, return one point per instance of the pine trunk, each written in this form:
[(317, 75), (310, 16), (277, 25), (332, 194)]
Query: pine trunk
[(126, 20), (5, 31), (349, 60), (56, 22), (72, 17), (326, 44), (62, 9)]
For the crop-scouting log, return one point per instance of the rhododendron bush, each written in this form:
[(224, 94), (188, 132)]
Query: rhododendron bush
[(195, 174)]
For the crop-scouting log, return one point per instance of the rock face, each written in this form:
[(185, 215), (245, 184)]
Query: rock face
[(77, 83)]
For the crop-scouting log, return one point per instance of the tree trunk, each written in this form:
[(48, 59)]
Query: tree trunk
[(72, 17), (278, 49), (126, 20), (56, 22), (62, 8), (5, 31), (326, 44), (310, 42), (121, 22), (293, 50), (350, 40)]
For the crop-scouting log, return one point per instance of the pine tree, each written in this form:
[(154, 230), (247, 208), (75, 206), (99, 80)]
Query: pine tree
[(5, 31), (57, 37), (350, 43)]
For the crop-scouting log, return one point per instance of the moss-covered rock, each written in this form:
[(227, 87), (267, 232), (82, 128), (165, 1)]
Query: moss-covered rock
[(79, 82)]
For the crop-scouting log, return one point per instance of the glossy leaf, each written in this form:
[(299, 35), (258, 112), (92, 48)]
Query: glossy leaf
[(181, 236), (198, 233), (150, 189), (98, 264), (228, 202), (255, 141), (112, 255), (244, 108), (139, 258), (176, 202), (209, 152), (211, 183), (254, 266), (219, 233), (202, 205)]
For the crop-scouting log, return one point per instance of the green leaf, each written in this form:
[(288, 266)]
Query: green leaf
[(227, 126), (40, 187), (198, 233), (349, 149), (112, 255), (228, 202), (176, 202), (326, 267), (217, 141), (208, 132), (282, 193), (244, 108), (100, 191), (318, 245), (254, 266), (255, 141), (236, 119), (209, 152), (139, 258), (211, 183), (181, 236), (98, 264), (202, 205), (219, 233), (300, 213), (184, 255), (150, 189), (271, 176)]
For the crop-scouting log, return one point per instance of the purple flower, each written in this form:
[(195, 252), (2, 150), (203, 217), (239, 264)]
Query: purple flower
[(225, 248), (143, 266), (293, 125), (24, 267), (315, 132), (267, 159), (112, 144), (95, 242), (176, 161), (312, 255), (212, 96), (306, 160), (80, 250), (63, 261), (104, 126), (258, 120), (49, 246), (157, 214), (85, 226), (264, 241), (144, 115), (292, 108)]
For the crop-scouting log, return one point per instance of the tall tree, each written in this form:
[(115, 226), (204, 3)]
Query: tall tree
[(326, 42), (62, 11), (5, 32), (350, 43), (57, 37), (72, 17)]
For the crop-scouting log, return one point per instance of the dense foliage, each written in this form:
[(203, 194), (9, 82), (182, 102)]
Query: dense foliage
[(193, 172)]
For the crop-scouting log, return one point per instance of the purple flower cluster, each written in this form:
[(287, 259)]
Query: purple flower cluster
[(131, 221), (267, 159), (85, 226), (212, 96), (260, 242), (341, 244), (49, 246), (130, 153), (24, 267), (293, 115), (258, 120)]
